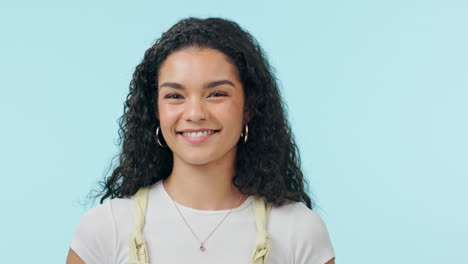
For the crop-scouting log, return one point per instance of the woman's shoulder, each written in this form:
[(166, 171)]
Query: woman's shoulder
[(101, 218), (108, 208), (305, 231), (89, 238), (297, 213), (95, 235), (120, 210)]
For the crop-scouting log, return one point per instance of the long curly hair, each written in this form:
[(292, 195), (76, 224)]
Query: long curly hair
[(267, 165)]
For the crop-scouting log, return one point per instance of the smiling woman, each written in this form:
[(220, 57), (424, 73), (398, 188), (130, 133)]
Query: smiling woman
[(209, 171)]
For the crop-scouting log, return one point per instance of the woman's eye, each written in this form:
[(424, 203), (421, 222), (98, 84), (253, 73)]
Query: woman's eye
[(217, 94), (173, 96)]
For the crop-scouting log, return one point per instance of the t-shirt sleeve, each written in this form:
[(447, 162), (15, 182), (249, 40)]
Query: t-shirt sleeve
[(94, 239), (313, 244)]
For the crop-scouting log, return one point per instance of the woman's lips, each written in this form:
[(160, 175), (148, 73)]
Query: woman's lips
[(199, 139)]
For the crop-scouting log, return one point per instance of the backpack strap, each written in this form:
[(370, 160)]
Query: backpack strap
[(262, 244), (138, 252)]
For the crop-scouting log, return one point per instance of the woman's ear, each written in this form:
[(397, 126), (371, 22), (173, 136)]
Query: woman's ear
[(247, 116), (156, 113)]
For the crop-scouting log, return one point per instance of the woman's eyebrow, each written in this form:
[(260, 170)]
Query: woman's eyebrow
[(172, 85), (208, 85), (216, 83)]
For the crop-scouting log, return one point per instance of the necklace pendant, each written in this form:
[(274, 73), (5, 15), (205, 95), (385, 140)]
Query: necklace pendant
[(202, 248)]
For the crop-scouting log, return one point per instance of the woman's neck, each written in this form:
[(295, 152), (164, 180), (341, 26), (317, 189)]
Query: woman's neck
[(204, 187)]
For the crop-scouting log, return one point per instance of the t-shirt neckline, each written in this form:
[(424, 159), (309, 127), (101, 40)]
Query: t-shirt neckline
[(159, 187)]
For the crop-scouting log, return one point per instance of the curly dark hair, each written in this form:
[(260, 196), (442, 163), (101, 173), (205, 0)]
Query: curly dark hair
[(267, 165)]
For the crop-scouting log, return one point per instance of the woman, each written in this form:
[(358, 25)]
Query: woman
[(209, 171)]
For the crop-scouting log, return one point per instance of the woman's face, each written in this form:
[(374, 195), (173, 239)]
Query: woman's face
[(200, 105)]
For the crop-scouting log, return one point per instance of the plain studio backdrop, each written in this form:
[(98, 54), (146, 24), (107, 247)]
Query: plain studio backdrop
[(377, 95)]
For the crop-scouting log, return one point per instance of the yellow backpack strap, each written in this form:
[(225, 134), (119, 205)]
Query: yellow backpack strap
[(138, 253), (262, 244)]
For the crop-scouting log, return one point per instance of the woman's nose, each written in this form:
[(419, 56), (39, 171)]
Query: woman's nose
[(195, 110)]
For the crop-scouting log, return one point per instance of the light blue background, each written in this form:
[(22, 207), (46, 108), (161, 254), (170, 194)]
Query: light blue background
[(377, 94)]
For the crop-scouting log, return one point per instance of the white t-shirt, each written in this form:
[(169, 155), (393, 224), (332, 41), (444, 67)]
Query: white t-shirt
[(298, 235)]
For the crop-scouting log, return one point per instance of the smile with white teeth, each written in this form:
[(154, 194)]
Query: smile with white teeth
[(198, 134)]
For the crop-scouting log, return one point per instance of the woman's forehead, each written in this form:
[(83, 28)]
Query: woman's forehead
[(197, 63)]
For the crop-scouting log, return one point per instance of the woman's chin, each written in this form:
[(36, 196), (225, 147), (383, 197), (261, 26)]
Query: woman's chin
[(196, 159), (204, 156)]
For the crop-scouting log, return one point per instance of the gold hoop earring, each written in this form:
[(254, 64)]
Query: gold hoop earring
[(157, 138), (246, 133)]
